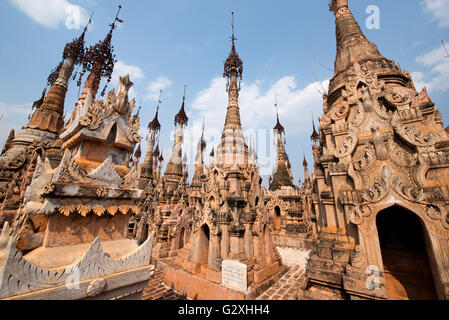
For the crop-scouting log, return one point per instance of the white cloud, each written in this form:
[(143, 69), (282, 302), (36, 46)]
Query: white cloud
[(51, 13), (258, 115), (8, 110), (437, 78), (121, 69), (432, 57), (257, 107), (156, 86), (439, 9)]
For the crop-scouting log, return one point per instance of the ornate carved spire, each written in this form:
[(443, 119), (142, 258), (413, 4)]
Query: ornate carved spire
[(174, 169), (278, 127), (353, 47), (99, 61), (202, 143), (50, 109), (315, 136), (181, 118), (281, 176), (148, 168), (233, 68), (199, 161), (233, 62), (154, 125), (74, 50), (233, 149), (306, 171)]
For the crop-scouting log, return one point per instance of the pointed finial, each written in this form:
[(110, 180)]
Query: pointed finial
[(159, 101), (204, 124), (202, 143), (181, 117), (233, 36), (233, 60), (184, 97), (161, 157), (278, 126), (138, 110), (89, 22), (100, 57), (154, 124), (113, 27), (276, 106), (315, 136)]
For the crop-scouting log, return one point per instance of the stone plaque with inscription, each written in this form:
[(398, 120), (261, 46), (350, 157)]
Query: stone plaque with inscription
[(234, 275)]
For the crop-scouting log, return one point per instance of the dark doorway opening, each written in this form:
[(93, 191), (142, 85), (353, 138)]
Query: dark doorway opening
[(181, 239), (408, 274), (277, 221), (204, 244)]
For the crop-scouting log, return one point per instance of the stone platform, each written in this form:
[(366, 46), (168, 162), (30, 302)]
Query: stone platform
[(196, 287)]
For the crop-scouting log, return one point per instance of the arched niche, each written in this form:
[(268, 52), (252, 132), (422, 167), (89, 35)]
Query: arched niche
[(406, 252)]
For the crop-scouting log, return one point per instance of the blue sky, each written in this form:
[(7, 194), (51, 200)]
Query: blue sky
[(287, 46)]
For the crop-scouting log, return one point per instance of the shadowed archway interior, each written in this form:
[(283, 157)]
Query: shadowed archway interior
[(204, 244), (408, 274), (277, 222)]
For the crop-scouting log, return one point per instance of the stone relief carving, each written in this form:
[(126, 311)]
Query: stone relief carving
[(359, 116), (400, 156), (438, 212), (106, 174), (84, 206), (349, 144), (364, 157), (18, 276), (96, 287), (284, 206), (356, 214), (410, 135), (358, 208)]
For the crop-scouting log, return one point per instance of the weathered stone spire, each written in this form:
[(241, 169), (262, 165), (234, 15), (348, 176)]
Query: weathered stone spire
[(147, 168), (353, 47), (281, 176), (199, 161), (306, 170), (174, 166), (48, 115), (99, 61), (156, 154), (315, 137), (233, 149), (159, 167)]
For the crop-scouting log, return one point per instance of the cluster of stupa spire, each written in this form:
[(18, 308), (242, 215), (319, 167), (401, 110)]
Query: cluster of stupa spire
[(232, 150)]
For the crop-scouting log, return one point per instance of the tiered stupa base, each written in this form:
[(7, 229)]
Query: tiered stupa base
[(198, 282)]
